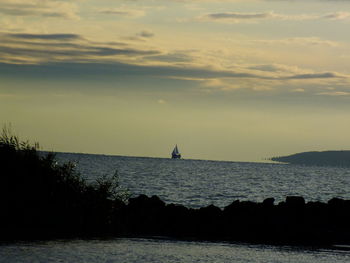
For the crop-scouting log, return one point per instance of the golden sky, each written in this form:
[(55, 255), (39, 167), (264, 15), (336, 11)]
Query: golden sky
[(223, 79)]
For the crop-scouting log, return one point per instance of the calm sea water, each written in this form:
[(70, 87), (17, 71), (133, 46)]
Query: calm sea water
[(193, 183), (198, 183), (162, 251)]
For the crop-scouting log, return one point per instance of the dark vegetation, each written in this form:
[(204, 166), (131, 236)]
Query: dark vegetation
[(40, 199), (326, 158)]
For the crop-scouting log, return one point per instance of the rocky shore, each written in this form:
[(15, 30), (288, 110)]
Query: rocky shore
[(292, 222)]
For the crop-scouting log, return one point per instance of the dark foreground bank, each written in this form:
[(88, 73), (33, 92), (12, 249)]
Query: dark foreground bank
[(292, 222), (41, 199)]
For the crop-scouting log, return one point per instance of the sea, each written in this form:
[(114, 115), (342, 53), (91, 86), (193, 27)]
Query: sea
[(193, 183)]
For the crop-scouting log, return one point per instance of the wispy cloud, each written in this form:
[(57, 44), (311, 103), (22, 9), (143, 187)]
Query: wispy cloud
[(277, 68), (324, 75), (39, 48), (45, 36), (337, 16), (122, 11), (44, 8), (314, 41), (238, 17), (145, 34), (298, 90), (334, 93)]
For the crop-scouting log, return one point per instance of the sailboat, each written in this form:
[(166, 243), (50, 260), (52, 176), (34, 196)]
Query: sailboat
[(175, 154)]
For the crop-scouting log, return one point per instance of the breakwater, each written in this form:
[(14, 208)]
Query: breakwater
[(290, 222)]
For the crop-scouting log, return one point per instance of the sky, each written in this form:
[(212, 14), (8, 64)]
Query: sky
[(236, 80)]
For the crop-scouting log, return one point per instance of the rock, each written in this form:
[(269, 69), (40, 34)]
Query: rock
[(231, 207), (210, 211), (295, 201), (268, 202), (145, 202), (336, 202)]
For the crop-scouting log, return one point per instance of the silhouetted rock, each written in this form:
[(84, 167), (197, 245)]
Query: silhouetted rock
[(232, 207), (336, 202), (295, 201), (268, 202)]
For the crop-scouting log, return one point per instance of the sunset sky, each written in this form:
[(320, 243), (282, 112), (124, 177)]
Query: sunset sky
[(238, 80)]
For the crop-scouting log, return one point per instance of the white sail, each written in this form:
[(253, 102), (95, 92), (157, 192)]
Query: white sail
[(175, 151), (176, 154)]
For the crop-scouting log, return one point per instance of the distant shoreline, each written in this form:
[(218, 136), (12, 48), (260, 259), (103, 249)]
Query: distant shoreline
[(314, 158)]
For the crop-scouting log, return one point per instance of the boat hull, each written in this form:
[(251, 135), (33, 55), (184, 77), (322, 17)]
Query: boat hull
[(176, 156)]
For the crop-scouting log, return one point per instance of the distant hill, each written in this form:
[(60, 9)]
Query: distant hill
[(325, 158)]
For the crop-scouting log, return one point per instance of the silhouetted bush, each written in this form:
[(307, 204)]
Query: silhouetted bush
[(41, 198)]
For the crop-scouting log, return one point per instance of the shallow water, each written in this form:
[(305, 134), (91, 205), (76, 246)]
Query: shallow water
[(148, 250), (197, 183)]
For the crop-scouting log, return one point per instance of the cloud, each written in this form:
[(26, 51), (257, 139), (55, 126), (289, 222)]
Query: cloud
[(325, 75), (314, 41), (335, 93), (299, 90), (206, 79), (276, 68), (74, 55), (141, 36), (237, 17), (146, 34), (286, 72), (122, 12), (173, 57), (45, 36), (44, 48), (40, 48), (43, 8), (337, 16)]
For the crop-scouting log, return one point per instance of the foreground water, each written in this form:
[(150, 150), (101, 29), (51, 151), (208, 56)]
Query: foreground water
[(162, 251), (197, 183)]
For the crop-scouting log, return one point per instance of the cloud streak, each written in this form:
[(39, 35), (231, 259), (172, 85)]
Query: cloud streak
[(45, 36), (325, 75), (237, 17), (39, 48), (43, 8), (127, 12), (314, 41)]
